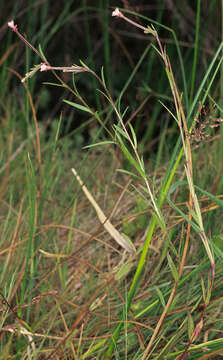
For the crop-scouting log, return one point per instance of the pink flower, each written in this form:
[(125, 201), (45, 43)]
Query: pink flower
[(44, 67), (13, 26), (117, 12)]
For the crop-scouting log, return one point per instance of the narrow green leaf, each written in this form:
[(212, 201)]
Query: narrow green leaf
[(105, 95), (41, 53), (53, 84), (83, 64), (172, 267), (121, 131), (124, 270), (92, 349), (133, 135), (203, 289), (58, 129), (190, 325), (74, 85), (156, 49), (130, 158), (211, 196), (78, 106), (124, 112), (98, 144), (102, 75), (160, 295), (170, 112), (142, 163), (128, 173)]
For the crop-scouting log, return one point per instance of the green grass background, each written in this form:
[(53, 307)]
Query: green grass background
[(67, 289)]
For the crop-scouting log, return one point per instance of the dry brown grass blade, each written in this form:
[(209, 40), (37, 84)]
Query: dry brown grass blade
[(103, 219)]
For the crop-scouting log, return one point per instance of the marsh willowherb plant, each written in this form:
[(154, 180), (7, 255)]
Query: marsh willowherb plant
[(137, 162)]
